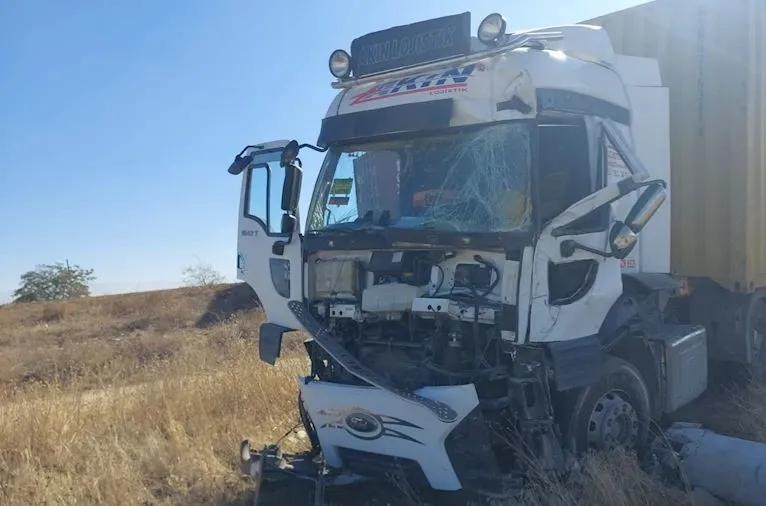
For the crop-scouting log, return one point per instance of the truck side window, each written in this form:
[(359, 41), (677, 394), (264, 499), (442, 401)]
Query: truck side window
[(565, 174), (264, 195), (564, 168), (276, 184)]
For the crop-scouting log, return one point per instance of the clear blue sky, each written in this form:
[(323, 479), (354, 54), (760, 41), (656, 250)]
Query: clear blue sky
[(118, 119)]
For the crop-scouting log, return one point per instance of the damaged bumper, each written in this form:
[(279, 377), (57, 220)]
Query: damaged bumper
[(373, 433)]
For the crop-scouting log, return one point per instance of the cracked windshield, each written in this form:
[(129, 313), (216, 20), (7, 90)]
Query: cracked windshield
[(471, 181)]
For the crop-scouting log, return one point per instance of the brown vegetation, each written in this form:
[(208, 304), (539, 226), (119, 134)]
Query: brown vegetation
[(132, 400)]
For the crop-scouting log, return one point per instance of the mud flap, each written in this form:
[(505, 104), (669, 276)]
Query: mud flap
[(270, 342), (332, 345)]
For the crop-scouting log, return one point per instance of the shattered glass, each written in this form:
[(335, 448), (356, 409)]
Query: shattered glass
[(467, 181)]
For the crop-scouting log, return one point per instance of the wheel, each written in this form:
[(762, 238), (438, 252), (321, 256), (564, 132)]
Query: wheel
[(308, 426), (612, 413), (755, 335)]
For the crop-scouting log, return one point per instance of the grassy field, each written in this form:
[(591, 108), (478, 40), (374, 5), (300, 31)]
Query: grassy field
[(143, 398)]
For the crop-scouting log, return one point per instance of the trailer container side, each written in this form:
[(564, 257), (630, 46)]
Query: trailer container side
[(712, 56)]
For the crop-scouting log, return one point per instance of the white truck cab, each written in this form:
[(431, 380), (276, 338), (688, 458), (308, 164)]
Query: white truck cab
[(471, 253)]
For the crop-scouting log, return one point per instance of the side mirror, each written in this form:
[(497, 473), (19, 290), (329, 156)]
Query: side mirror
[(645, 207), (622, 240), (289, 153), (291, 191), (239, 164)]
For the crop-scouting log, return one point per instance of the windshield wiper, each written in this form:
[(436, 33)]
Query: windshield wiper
[(366, 229), (417, 223)]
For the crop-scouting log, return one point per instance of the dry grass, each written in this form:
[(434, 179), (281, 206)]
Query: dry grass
[(121, 400), (125, 400)]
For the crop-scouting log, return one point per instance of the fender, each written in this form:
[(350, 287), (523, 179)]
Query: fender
[(651, 281), (632, 315), (636, 286)]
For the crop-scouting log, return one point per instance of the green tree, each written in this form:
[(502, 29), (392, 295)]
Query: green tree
[(202, 274), (54, 282)]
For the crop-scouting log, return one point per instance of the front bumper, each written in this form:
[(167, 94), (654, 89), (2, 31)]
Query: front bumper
[(372, 432)]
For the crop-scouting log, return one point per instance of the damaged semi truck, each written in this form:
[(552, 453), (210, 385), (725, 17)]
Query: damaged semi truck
[(520, 246)]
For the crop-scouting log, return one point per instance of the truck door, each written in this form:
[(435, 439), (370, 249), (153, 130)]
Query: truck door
[(574, 287), (269, 257)]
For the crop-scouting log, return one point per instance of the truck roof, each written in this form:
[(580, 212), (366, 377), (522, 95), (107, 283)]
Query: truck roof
[(477, 88)]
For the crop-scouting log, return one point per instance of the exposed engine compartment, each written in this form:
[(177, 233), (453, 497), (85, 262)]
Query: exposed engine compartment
[(418, 318), (440, 319)]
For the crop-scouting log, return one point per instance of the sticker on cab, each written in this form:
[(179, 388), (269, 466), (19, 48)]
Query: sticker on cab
[(341, 186)]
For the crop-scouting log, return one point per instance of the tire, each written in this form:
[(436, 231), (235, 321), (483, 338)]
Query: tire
[(613, 412), (755, 337)]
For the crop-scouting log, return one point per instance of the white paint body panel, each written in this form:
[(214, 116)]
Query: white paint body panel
[(580, 318), (327, 404), (651, 137), (587, 42), (525, 292), (575, 64), (254, 252), (638, 71)]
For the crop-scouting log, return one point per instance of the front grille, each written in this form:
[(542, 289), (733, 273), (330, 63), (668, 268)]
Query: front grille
[(380, 467)]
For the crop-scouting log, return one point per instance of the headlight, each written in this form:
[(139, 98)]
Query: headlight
[(340, 64), (491, 28)]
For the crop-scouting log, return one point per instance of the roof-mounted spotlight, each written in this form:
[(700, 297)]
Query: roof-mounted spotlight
[(340, 64), (491, 29)]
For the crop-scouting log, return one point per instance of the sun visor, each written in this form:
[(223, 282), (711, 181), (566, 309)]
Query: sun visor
[(403, 118)]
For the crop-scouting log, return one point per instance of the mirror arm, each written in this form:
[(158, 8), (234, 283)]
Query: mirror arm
[(625, 187), (569, 247), (311, 146), (251, 146)]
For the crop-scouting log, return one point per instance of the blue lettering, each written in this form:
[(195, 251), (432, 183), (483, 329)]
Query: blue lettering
[(428, 80), (408, 83), (422, 82), (458, 75)]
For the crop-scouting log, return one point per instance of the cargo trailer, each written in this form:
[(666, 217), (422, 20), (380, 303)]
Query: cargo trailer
[(712, 60)]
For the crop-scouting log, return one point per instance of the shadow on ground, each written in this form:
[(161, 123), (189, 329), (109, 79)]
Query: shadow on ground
[(347, 498), (300, 493), (227, 301)]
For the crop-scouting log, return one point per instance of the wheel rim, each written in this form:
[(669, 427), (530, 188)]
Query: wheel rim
[(757, 339), (756, 336), (613, 422)]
